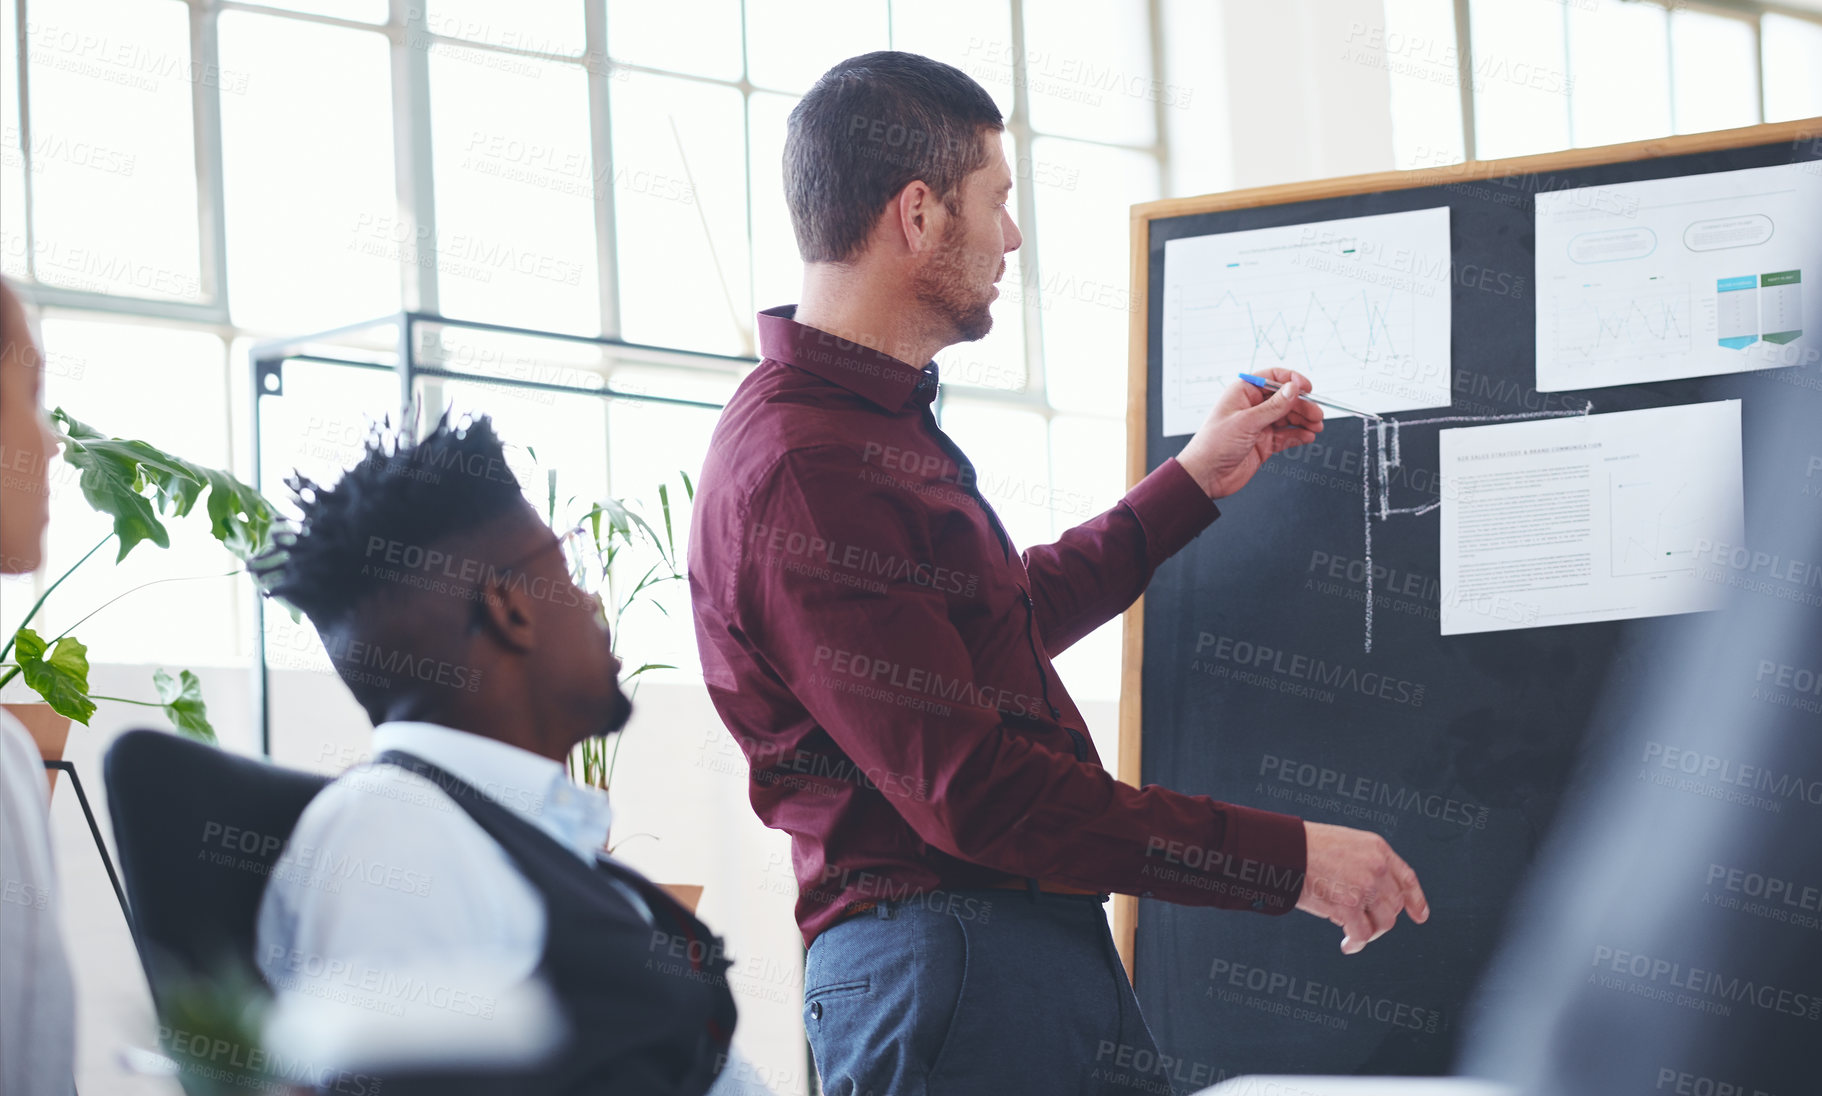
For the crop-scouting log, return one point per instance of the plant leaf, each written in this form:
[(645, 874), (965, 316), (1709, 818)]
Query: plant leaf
[(239, 516), (177, 481), (181, 699), (110, 482), (664, 502), (115, 473), (631, 519), (62, 679)]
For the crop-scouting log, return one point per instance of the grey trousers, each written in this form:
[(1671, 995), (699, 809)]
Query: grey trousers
[(998, 992)]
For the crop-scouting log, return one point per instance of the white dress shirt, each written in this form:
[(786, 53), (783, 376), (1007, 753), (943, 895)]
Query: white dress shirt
[(37, 995), (385, 867), (385, 873)]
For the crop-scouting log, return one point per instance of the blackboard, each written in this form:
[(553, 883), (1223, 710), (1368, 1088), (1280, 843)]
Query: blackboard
[(1462, 760)]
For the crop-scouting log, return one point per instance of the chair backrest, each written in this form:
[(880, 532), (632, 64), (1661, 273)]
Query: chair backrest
[(198, 830)]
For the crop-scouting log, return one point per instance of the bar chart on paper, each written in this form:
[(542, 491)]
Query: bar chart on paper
[(1680, 277), (1360, 306)]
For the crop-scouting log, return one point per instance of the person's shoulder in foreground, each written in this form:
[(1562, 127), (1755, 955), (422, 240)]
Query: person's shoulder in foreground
[(37, 993)]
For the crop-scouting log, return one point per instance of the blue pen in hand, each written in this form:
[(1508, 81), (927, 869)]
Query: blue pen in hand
[(1273, 386)]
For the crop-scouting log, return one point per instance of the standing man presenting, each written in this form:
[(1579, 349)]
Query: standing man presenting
[(882, 652)]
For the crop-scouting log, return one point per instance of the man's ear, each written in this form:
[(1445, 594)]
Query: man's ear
[(919, 216), (504, 610)]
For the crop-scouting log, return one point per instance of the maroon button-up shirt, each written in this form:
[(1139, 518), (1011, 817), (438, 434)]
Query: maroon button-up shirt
[(882, 654)]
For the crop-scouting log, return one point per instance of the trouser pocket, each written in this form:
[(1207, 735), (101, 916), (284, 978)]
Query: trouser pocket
[(880, 1000)]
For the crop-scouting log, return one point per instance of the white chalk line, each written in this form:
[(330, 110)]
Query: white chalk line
[(1388, 458), (1498, 418), (1424, 509), (1366, 515)]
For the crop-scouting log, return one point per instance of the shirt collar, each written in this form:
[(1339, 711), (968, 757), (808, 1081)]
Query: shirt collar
[(535, 788), (871, 374)]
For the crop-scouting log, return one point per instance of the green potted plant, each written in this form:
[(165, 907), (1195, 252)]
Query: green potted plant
[(617, 533), (133, 482), (610, 562)]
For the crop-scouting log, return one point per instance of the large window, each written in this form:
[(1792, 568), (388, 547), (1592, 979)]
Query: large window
[(180, 179), (1515, 77), (223, 171), (184, 178)]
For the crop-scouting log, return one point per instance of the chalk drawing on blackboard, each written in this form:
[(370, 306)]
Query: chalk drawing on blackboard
[(1381, 453)]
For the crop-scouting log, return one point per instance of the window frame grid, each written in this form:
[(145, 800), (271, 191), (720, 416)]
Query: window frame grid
[(410, 41), (1750, 12)]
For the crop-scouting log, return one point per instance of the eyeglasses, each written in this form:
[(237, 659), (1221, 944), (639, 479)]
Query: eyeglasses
[(581, 559)]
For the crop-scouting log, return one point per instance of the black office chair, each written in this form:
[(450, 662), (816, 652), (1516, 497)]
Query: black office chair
[(198, 830)]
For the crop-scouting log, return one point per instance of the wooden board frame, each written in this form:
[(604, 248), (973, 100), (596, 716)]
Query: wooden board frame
[(1129, 743)]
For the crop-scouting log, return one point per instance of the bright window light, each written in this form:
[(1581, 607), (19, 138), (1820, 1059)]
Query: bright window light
[(1088, 70), (113, 160), (314, 235), (1715, 69), (515, 191), (1619, 61), (1521, 78), (1081, 285), (1793, 67)]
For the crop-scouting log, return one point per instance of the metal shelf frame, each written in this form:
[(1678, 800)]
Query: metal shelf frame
[(268, 358)]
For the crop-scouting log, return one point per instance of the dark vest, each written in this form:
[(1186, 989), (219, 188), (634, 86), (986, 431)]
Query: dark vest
[(648, 1005)]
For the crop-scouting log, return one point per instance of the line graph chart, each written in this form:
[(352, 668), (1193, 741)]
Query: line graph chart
[(1655, 526), (1359, 305), (1350, 336), (1603, 325)]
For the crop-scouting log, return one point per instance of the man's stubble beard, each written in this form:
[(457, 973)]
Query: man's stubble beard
[(622, 712), (943, 286)]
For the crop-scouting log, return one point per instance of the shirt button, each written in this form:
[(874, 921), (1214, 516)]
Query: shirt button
[(1258, 903), (815, 1010), (1056, 712)]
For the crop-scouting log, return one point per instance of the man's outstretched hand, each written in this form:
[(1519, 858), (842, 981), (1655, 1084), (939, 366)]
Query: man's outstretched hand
[(1247, 425), (1354, 879)]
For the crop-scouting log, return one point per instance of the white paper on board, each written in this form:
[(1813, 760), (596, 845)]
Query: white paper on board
[(1684, 277), (1358, 305), (1586, 518)]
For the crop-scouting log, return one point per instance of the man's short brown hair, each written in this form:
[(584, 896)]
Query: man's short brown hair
[(870, 126)]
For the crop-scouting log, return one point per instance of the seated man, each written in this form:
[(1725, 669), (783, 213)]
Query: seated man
[(449, 611)]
